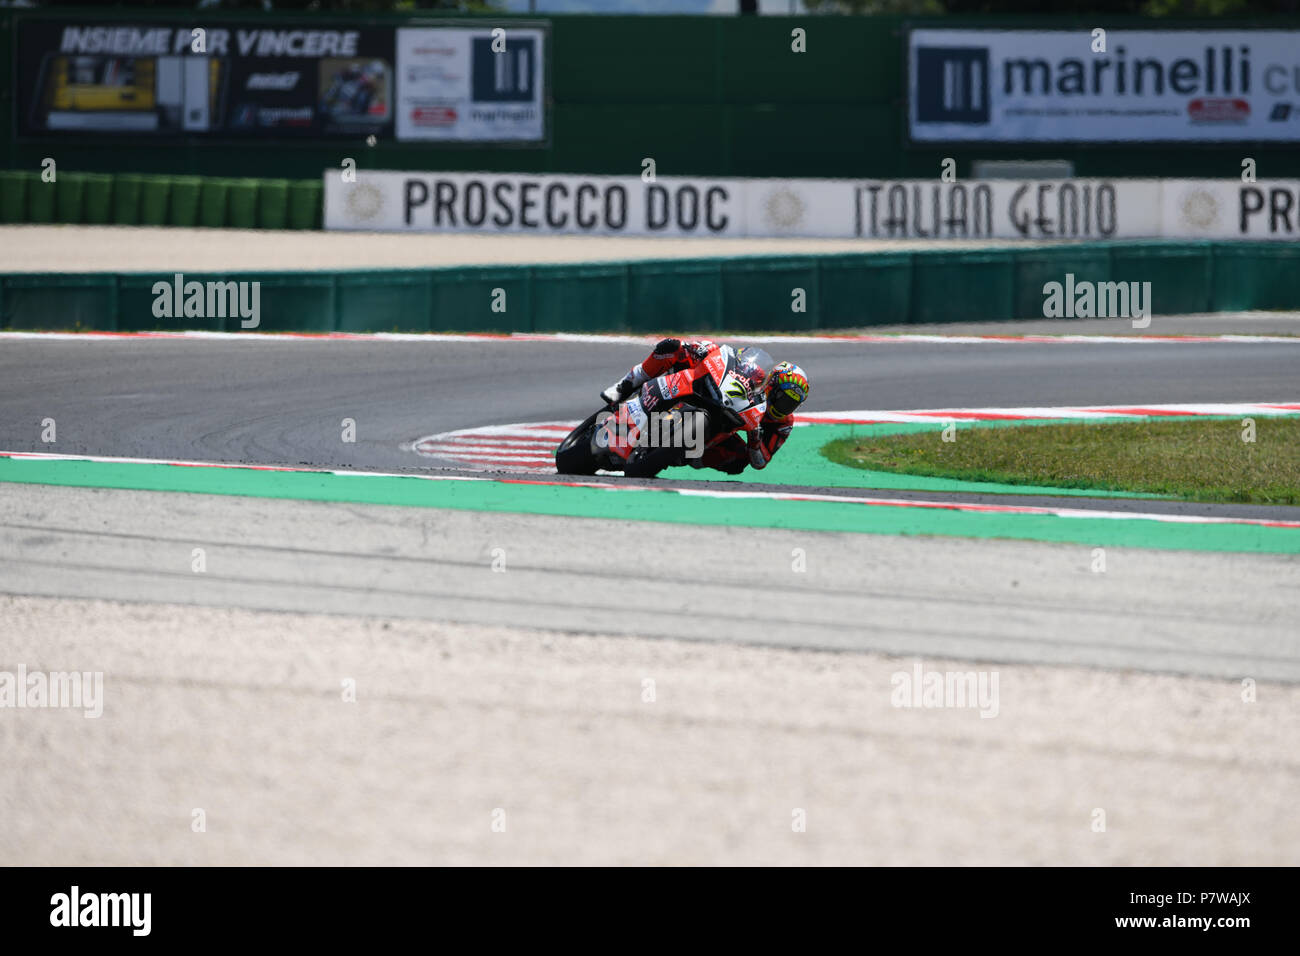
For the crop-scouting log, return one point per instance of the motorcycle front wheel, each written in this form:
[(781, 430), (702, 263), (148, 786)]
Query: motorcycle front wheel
[(575, 455)]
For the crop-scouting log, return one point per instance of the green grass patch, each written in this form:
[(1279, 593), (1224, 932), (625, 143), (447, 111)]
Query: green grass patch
[(1195, 459)]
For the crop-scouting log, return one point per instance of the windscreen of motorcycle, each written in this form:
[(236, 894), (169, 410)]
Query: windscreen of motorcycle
[(755, 366)]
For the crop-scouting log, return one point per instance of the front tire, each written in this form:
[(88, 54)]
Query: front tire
[(574, 456)]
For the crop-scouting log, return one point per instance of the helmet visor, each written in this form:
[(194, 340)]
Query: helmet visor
[(784, 400)]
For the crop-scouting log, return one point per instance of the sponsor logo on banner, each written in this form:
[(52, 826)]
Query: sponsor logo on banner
[(1007, 209), (272, 81), (1075, 209), (1218, 111), (1230, 209), (1146, 85), (458, 83), (433, 116), (1198, 208), (365, 205), (281, 82), (783, 209), (542, 204)]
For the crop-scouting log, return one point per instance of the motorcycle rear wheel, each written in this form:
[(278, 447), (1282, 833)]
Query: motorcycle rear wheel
[(648, 462)]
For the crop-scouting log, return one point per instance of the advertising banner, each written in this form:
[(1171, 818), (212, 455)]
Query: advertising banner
[(1074, 209), (1007, 209), (480, 84), (454, 83), (231, 81), (1230, 209), (538, 204), (1071, 86)]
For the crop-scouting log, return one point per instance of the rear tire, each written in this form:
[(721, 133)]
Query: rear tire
[(574, 456), (648, 462)]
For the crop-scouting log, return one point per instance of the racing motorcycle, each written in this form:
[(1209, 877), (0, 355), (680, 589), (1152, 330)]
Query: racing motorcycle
[(691, 409)]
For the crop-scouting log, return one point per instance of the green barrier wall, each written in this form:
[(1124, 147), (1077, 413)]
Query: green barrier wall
[(1036, 267), (99, 199), (184, 210), (58, 301), (752, 294), (680, 294), (155, 191), (241, 203), (70, 197), (127, 199), (40, 200), (273, 203), (384, 301), (213, 196)]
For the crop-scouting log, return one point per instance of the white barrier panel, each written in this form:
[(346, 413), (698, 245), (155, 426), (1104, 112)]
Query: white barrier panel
[(811, 208), (1077, 86), (1078, 209), (540, 204), (1230, 209)]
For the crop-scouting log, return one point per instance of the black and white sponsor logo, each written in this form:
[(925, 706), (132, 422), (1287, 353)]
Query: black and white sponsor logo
[(1228, 210), (514, 203), (1035, 210), (1272, 210), (952, 84)]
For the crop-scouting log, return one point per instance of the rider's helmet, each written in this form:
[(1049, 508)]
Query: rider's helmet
[(786, 390)]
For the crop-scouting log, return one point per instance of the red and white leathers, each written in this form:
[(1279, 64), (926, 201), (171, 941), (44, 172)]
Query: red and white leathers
[(733, 454)]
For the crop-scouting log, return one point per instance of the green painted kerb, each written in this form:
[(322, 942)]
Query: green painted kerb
[(648, 505)]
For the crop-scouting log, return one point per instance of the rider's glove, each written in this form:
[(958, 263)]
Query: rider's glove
[(758, 456)]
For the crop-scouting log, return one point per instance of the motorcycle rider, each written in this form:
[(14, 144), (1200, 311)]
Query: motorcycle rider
[(787, 389)]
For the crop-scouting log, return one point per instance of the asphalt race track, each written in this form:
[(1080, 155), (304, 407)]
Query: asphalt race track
[(266, 401), (281, 403), (525, 690)]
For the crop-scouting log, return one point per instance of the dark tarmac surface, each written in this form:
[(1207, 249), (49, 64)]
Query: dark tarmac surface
[(284, 402)]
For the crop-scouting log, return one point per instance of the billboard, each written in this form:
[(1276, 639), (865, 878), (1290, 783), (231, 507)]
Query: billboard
[(539, 204), (467, 84), (1063, 86), (557, 204), (230, 81), (478, 84)]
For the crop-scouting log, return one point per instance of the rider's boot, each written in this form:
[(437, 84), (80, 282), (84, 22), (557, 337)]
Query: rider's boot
[(621, 390)]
